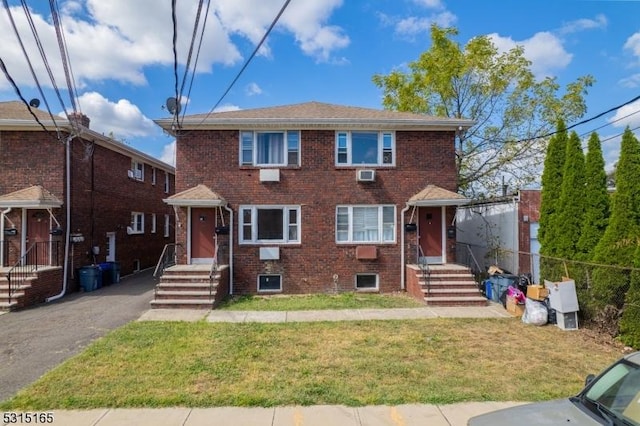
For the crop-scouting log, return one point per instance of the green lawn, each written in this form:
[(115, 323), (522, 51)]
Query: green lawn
[(349, 300), (439, 361)]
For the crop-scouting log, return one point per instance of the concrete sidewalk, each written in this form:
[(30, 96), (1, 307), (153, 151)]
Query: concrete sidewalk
[(493, 310), (320, 415)]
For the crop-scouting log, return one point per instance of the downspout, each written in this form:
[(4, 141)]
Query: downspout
[(3, 215), (227, 208), (402, 265), (65, 273)]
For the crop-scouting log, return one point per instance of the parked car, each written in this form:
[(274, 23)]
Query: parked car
[(612, 398)]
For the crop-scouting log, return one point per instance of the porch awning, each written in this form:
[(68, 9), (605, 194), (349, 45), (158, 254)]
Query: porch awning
[(433, 195), (34, 197), (198, 196)]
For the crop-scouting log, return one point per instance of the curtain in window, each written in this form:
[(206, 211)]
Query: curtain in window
[(365, 224), (270, 148)]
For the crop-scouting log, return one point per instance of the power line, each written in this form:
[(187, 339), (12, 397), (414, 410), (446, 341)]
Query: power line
[(253, 54), (174, 22), (64, 55), (196, 25)]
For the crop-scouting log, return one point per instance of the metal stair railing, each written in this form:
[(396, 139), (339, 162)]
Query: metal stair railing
[(39, 254), (214, 266), (424, 268)]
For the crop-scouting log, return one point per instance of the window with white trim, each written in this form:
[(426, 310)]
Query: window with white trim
[(137, 223), (167, 221), (269, 224), (166, 182), (366, 281), (274, 148), (365, 224), (153, 223), (137, 168), (365, 148), (153, 175), (269, 283)]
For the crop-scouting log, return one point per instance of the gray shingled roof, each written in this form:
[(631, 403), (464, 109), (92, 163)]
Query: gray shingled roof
[(17, 110), (314, 115), (34, 196)]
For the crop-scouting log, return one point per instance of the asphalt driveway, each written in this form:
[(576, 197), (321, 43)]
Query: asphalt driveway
[(35, 340)]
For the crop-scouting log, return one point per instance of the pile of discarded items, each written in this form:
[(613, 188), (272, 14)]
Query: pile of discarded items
[(551, 303)]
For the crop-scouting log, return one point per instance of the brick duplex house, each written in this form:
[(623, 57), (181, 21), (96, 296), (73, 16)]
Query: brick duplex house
[(110, 209), (312, 198)]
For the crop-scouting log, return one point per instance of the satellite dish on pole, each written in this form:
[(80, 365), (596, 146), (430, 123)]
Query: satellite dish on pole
[(34, 103), (173, 106)]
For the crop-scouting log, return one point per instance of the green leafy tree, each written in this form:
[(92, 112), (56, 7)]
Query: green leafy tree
[(630, 321), (498, 90), (567, 225), (618, 243), (596, 198)]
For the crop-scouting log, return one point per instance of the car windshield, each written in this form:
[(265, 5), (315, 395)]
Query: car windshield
[(617, 392)]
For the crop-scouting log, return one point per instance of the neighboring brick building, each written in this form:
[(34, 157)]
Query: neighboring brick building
[(115, 203), (314, 197)]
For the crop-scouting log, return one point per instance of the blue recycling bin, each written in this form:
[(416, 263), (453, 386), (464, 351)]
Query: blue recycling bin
[(107, 273), (115, 272), (90, 277)]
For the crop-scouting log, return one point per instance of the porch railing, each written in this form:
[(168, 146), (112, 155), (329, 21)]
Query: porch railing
[(214, 266), (169, 257), (465, 256), (39, 255), (424, 268)]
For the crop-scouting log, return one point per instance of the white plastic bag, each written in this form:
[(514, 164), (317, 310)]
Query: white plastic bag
[(535, 312)]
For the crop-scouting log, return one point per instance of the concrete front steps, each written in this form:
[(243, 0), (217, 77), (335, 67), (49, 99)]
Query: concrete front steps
[(450, 285), (18, 295), (187, 287)]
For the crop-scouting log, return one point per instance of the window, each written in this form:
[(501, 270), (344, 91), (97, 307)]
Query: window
[(366, 281), (167, 222), (365, 148), (269, 224), (137, 170), (365, 224), (269, 282), (279, 148), (166, 182), (137, 223), (153, 223), (153, 176)]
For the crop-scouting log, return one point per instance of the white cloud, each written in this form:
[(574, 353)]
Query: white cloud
[(253, 89), (633, 44), (169, 153), (600, 21), (430, 4), (544, 50), (122, 118), (412, 26), (631, 82), (628, 115), (228, 107)]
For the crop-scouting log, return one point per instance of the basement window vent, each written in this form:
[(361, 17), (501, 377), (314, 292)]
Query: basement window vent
[(270, 283)]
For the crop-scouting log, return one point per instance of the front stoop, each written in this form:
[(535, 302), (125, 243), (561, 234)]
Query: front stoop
[(17, 298), (186, 287), (450, 285)]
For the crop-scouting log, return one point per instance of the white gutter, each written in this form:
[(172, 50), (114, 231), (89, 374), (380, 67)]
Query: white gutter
[(2, 216), (402, 265), (65, 273), (230, 249)]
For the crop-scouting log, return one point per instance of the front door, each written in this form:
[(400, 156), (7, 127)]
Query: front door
[(430, 234), (38, 227), (111, 246), (203, 229)]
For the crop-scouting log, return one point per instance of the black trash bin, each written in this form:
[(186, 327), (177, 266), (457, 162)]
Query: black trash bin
[(107, 276)]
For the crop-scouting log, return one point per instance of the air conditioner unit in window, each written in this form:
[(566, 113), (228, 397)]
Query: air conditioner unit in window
[(366, 175), (131, 174)]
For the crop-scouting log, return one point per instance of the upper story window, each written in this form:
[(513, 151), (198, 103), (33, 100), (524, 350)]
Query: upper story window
[(364, 148), (153, 223), (137, 170), (365, 224), (277, 148), (166, 182), (153, 176), (167, 222), (269, 224)]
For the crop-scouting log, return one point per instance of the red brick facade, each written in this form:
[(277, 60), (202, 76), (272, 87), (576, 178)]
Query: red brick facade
[(528, 212), (317, 263), (103, 196)]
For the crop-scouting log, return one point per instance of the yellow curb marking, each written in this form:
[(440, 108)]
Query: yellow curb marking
[(397, 417)]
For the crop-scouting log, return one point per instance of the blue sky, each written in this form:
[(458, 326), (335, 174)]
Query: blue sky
[(321, 50)]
